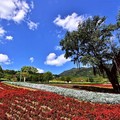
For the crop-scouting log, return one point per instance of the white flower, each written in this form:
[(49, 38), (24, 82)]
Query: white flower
[(78, 94)]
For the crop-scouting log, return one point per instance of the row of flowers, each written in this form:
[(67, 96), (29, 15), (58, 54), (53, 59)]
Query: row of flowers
[(81, 94), (100, 85), (19, 103)]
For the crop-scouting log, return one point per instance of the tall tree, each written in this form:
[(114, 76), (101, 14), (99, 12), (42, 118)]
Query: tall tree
[(93, 44), (1, 72), (26, 70)]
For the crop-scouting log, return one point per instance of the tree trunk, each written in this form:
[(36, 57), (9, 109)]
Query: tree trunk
[(94, 70), (112, 76), (114, 81), (24, 79)]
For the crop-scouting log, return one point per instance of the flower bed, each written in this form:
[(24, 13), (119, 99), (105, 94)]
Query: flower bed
[(24, 104), (78, 94)]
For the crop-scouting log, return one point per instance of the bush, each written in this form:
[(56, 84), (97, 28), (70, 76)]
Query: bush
[(62, 78), (79, 79), (68, 79), (91, 79)]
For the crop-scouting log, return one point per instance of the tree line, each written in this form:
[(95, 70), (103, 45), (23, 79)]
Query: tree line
[(27, 73)]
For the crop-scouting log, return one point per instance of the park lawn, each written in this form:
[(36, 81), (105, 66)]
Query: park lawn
[(27, 104)]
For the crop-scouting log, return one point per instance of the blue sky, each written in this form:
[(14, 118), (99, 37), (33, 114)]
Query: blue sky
[(30, 30)]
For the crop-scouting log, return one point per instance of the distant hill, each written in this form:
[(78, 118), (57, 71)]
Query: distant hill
[(75, 72)]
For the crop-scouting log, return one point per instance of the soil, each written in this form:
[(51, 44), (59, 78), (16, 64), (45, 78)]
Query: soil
[(96, 88)]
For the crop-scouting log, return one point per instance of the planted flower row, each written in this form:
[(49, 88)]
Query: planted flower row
[(78, 94), (24, 104)]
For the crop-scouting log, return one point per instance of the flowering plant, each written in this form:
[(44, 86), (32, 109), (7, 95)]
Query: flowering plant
[(25, 104)]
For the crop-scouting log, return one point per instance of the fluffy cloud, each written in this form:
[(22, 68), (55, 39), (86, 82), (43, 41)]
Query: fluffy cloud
[(32, 25), (9, 38), (2, 32), (40, 70), (15, 10), (4, 59), (31, 59), (70, 22), (52, 59)]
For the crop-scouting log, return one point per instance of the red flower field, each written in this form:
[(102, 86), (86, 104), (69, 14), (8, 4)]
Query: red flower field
[(24, 104)]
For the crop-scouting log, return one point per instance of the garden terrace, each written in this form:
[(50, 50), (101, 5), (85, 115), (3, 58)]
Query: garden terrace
[(78, 94), (24, 104)]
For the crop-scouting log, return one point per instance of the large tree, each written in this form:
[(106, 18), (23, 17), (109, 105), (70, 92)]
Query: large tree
[(94, 44), (26, 71)]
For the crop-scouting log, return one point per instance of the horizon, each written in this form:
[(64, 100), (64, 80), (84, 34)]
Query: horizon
[(30, 31)]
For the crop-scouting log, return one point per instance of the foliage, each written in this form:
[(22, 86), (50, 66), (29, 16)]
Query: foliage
[(29, 69), (36, 77), (75, 72), (68, 79), (9, 74), (29, 73), (80, 79), (47, 76), (65, 78), (1, 72), (82, 75), (12, 72), (92, 44), (62, 78), (91, 79)]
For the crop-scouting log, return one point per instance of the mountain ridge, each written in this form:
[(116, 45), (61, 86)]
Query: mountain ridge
[(77, 72)]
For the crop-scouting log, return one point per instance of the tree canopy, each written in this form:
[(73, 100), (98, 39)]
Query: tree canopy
[(29, 69), (47, 76), (94, 44)]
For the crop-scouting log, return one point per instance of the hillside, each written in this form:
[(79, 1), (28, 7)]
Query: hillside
[(75, 72)]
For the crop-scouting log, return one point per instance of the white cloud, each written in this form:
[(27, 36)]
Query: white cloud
[(2, 32), (20, 16), (15, 10), (31, 59), (9, 38), (32, 4), (51, 56), (52, 59), (40, 70), (4, 59), (58, 47), (32, 25), (70, 22)]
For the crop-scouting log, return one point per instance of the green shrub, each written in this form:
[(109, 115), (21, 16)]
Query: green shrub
[(91, 79)]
